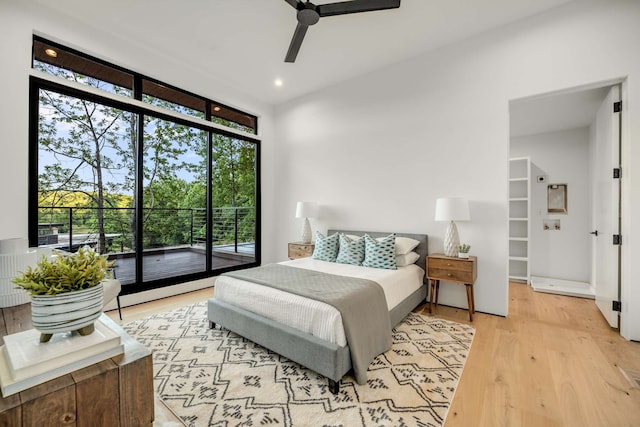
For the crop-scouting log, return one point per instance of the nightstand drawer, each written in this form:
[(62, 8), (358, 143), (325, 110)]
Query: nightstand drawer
[(300, 250), (450, 264), (450, 274)]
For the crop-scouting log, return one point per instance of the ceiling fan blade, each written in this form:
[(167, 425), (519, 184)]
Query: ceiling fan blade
[(293, 3), (355, 6), (296, 41)]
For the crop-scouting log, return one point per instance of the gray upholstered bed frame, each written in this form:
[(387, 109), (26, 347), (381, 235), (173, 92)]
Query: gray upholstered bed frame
[(321, 356)]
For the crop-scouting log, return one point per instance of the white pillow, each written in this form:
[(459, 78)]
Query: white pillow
[(407, 259), (404, 245)]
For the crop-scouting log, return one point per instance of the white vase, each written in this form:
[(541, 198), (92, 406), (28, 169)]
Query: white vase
[(71, 311)]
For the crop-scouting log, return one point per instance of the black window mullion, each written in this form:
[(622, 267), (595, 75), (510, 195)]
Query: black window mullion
[(139, 189), (209, 202), (258, 210), (137, 87), (34, 114)]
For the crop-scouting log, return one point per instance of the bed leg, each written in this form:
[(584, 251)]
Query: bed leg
[(212, 325), (334, 386)]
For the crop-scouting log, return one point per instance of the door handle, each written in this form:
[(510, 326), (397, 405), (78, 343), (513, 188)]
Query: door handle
[(594, 232)]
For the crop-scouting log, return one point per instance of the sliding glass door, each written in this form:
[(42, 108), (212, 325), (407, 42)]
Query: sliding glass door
[(234, 201), (168, 200), (174, 203)]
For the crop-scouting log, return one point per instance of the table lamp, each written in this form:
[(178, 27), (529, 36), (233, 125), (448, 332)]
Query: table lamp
[(452, 209), (306, 210)]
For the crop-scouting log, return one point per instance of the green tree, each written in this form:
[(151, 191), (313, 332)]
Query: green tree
[(79, 137), (91, 148), (233, 174)]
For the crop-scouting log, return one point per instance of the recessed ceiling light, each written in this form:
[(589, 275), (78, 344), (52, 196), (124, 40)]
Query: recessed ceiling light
[(51, 52), (216, 108), (278, 82)]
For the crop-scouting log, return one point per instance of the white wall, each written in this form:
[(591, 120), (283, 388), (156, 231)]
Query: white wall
[(18, 22), (378, 150), (563, 157)]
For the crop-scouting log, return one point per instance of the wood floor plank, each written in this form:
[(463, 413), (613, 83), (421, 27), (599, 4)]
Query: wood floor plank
[(553, 361)]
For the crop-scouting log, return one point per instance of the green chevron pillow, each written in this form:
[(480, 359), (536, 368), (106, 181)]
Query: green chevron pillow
[(350, 251), (380, 253), (326, 247)]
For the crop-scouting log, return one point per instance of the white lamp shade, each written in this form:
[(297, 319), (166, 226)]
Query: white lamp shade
[(452, 209), (306, 210)]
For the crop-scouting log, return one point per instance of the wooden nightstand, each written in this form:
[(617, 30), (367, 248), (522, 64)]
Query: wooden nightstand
[(300, 250), (457, 270)]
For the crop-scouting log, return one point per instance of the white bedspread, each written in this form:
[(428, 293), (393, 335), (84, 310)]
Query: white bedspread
[(310, 316)]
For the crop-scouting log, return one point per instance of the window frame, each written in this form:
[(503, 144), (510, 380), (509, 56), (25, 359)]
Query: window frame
[(139, 80), (41, 81)]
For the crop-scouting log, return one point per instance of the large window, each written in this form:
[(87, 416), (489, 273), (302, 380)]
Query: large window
[(170, 198)]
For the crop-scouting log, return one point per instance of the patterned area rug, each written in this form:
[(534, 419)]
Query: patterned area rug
[(213, 377)]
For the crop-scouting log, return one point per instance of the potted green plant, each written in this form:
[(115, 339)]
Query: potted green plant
[(66, 291), (463, 251)]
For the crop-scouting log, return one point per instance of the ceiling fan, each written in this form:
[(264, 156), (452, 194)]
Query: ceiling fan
[(309, 14)]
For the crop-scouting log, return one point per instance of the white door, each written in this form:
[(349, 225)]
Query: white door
[(607, 207)]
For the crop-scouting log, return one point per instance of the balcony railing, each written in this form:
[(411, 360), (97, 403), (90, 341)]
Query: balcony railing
[(68, 228)]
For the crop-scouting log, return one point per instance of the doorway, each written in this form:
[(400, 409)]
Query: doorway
[(568, 137)]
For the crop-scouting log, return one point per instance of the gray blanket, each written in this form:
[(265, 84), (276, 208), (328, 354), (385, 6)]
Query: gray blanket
[(361, 303)]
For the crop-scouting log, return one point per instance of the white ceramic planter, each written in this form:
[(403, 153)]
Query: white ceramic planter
[(463, 255), (72, 311)]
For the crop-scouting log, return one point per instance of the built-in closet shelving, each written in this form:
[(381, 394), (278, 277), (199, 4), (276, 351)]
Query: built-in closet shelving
[(519, 221)]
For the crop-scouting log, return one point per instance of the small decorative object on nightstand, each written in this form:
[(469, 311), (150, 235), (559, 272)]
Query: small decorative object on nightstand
[(457, 270), (300, 250), (463, 251)]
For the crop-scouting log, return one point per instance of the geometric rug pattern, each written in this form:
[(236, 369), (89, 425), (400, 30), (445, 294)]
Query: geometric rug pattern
[(213, 377)]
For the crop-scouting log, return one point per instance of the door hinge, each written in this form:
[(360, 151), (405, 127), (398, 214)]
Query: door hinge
[(617, 107), (616, 306), (617, 239), (616, 172)]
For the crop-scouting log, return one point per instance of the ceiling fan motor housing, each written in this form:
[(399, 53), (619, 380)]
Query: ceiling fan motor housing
[(308, 15)]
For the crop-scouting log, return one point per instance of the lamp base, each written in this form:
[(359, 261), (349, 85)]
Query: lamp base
[(306, 231), (451, 240)]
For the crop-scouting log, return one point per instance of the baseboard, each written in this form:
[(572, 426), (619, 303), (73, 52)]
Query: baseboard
[(159, 293)]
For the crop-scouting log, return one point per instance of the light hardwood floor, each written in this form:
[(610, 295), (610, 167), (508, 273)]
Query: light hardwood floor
[(552, 362)]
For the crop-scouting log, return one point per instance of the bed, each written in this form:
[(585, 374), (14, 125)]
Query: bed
[(328, 356)]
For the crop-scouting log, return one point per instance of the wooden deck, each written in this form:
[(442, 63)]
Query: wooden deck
[(176, 262)]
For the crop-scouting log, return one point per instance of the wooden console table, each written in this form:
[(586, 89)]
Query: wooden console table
[(114, 392)]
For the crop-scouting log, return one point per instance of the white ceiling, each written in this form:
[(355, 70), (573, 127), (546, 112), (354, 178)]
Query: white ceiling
[(243, 42), (557, 112)]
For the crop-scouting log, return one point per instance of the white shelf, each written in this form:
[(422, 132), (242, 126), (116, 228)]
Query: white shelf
[(519, 213)]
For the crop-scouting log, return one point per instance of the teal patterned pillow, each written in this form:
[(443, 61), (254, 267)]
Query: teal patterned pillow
[(326, 247), (380, 253), (350, 251)]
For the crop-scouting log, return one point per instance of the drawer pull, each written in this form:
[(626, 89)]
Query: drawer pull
[(448, 264), (449, 274)]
